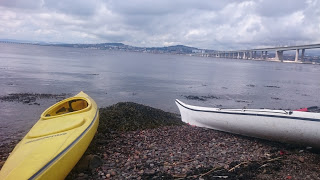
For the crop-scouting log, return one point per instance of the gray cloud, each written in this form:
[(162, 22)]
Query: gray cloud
[(36, 4), (149, 7), (276, 8), (228, 24), (79, 7)]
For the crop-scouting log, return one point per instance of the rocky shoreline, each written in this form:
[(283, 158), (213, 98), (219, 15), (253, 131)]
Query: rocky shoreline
[(129, 148), (31, 98), (139, 142), (186, 152)]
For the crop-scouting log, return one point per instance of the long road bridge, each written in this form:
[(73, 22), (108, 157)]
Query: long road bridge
[(262, 53)]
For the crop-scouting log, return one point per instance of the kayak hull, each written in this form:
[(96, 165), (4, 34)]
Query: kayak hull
[(56, 142), (285, 126)]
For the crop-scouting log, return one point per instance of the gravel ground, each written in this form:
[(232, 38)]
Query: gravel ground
[(186, 152), (173, 150)]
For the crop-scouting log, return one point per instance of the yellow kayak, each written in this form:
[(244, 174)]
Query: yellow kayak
[(56, 142)]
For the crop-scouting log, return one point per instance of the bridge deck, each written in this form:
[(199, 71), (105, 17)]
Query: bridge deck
[(284, 48)]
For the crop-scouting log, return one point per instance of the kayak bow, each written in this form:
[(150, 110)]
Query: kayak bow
[(56, 142)]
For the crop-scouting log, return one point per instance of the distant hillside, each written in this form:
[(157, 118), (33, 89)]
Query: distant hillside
[(177, 49), (27, 42)]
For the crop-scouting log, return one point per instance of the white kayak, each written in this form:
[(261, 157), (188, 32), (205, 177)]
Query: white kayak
[(279, 125)]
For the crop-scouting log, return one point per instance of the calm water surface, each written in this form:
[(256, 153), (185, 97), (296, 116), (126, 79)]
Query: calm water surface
[(152, 79)]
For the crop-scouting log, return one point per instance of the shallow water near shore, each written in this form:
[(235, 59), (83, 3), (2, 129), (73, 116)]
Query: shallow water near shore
[(151, 79)]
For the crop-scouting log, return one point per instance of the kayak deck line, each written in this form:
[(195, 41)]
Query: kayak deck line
[(250, 114), (252, 110), (46, 137), (65, 150)]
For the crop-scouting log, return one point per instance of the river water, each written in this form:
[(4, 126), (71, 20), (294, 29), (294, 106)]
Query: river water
[(151, 79)]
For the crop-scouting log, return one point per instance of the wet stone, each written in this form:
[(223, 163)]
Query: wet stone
[(113, 173)]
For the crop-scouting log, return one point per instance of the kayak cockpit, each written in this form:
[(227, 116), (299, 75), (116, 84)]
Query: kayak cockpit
[(52, 119), (75, 104), (67, 107)]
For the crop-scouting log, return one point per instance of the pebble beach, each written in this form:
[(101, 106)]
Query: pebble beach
[(175, 150), (186, 152), (139, 142)]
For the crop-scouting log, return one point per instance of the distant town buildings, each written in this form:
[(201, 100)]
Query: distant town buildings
[(178, 49)]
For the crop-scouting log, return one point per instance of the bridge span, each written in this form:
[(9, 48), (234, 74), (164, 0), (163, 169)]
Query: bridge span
[(263, 52)]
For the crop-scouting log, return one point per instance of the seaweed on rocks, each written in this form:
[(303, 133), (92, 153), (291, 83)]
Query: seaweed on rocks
[(129, 116), (30, 98), (198, 98), (315, 109), (251, 85), (272, 86), (275, 98), (201, 98)]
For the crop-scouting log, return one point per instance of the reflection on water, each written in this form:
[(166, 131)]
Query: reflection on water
[(152, 79)]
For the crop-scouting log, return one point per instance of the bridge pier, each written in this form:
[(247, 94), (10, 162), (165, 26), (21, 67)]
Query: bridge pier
[(250, 54), (302, 54), (279, 56), (264, 55), (297, 56), (254, 54)]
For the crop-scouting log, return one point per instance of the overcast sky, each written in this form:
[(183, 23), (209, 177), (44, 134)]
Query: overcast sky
[(211, 24)]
